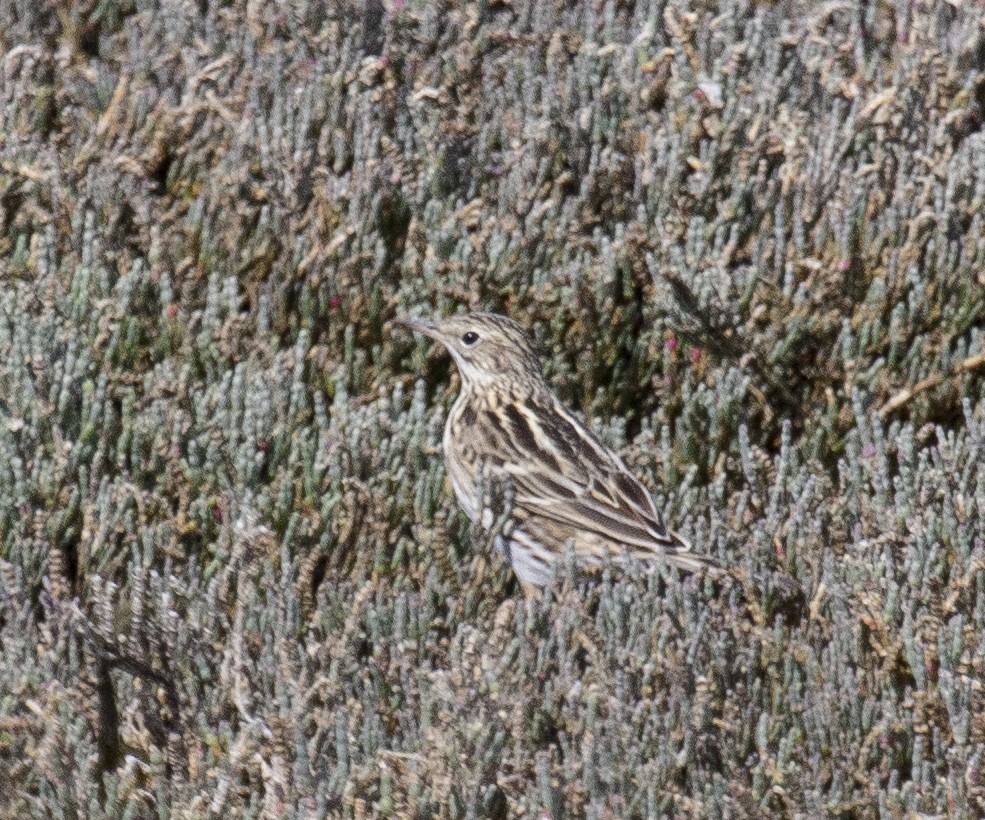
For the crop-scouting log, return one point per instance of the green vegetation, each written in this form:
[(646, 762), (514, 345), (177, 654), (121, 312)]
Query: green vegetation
[(749, 240)]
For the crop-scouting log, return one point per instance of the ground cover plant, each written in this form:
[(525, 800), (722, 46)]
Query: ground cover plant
[(748, 238)]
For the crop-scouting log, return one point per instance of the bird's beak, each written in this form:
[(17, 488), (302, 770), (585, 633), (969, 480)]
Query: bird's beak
[(425, 326)]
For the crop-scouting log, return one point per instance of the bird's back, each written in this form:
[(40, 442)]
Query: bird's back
[(568, 487)]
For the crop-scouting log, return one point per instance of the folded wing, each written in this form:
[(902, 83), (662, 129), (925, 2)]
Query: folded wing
[(563, 474)]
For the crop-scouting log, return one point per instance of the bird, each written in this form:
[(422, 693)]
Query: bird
[(566, 486)]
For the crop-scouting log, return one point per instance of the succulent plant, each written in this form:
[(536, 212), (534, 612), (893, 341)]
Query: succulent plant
[(748, 239)]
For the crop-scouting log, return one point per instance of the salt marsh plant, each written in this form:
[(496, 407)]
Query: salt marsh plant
[(748, 238)]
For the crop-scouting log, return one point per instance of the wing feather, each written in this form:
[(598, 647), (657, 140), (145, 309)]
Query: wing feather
[(561, 472)]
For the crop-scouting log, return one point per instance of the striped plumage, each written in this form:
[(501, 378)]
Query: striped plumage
[(567, 485)]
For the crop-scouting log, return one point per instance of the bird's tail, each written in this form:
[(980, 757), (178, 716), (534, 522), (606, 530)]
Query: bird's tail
[(694, 562), (681, 556)]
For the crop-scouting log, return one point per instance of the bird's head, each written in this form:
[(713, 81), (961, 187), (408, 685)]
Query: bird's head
[(486, 347)]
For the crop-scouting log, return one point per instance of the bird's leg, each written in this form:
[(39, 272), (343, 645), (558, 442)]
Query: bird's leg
[(531, 596), (506, 610), (504, 616)]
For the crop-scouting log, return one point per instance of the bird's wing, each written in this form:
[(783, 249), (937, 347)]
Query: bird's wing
[(560, 471)]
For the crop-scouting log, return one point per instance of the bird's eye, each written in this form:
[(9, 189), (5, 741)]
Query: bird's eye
[(470, 338)]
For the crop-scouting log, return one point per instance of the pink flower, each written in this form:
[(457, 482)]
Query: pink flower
[(696, 355), (172, 311), (335, 302), (671, 344)]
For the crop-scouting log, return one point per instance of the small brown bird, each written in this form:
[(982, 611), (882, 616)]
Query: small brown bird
[(567, 486)]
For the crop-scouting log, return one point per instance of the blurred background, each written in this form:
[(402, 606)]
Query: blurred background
[(748, 238)]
